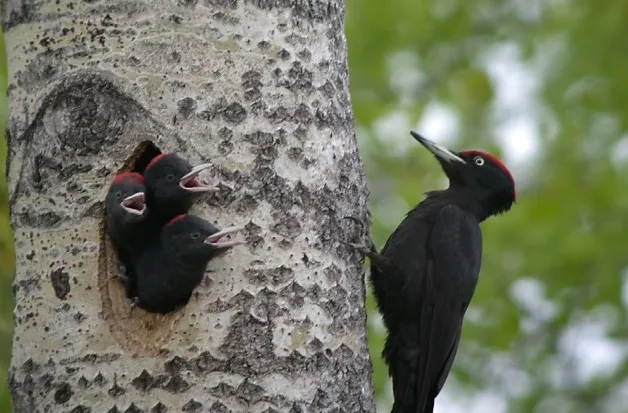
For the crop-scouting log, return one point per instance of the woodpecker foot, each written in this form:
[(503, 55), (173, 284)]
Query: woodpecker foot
[(133, 303), (124, 276), (376, 258), (354, 219), (367, 249)]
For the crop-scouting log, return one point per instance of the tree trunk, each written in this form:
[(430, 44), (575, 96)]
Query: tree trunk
[(260, 89)]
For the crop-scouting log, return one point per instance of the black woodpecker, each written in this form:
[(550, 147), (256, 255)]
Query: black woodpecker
[(173, 264), (126, 219), (172, 187), (425, 276)]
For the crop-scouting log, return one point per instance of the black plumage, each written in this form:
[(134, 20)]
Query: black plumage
[(172, 266), (426, 274), (172, 187), (126, 219)]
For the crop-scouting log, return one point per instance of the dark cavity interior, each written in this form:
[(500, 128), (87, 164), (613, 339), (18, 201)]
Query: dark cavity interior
[(145, 151)]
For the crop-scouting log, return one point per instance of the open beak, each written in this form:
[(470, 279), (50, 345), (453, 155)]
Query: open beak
[(215, 239), (441, 153), (135, 204), (190, 181)]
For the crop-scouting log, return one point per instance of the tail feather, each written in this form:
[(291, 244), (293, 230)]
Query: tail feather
[(429, 406), (404, 387), (403, 359), (403, 364)]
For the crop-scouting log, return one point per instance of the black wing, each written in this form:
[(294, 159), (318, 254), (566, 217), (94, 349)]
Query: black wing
[(454, 259)]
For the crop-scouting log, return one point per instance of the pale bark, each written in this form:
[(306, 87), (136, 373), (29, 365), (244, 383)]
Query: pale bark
[(260, 89)]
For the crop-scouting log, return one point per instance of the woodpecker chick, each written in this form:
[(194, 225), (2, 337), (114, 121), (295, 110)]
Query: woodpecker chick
[(174, 264), (425, 276), (126, 216), (172, 185)]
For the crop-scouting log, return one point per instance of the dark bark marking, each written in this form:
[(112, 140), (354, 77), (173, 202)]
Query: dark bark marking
[(60, 283)]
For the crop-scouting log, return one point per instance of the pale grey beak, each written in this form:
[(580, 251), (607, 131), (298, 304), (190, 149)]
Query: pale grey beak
[(135, 204), (440, 152), (191, 184), (215, 239)]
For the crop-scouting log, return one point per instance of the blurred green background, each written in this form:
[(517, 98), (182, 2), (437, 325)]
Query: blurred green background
[(7, 257), (544, 85)]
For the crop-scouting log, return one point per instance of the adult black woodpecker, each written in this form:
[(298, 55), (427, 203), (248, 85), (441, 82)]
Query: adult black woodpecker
[(174, 263), (172, 186), (126, 216), (425, 276)]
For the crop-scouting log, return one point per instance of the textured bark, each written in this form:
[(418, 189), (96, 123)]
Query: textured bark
[(260, 89)]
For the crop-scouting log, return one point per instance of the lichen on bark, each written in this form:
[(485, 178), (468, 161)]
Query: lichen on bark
[(259, 88)]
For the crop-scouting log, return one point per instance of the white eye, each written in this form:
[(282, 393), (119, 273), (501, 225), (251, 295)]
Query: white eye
[(479, 161)]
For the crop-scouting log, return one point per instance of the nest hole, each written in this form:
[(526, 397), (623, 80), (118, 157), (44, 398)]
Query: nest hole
[(141, 157), (138, 331)]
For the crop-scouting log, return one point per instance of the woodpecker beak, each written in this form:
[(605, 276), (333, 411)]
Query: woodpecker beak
[(215, 239), (134, 204), (441, 153), (190, 181)]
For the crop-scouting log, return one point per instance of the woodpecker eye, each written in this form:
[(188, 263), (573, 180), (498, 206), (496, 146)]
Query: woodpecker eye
[(195, 235), (479, 161), (118, 195), (170, 177)]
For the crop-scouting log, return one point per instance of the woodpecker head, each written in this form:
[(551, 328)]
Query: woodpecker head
[(482, 173), (172, 178), (125, 200), (194, 241)]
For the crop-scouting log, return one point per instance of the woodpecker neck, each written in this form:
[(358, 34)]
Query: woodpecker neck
[(191, 265), (186, 257), (468, 199), (164, 209)]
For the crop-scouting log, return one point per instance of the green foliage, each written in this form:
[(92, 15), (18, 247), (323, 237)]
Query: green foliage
[(7, 260), (569, 227), (567, 232)]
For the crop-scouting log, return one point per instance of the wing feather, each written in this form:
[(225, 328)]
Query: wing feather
[(454, 258)]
